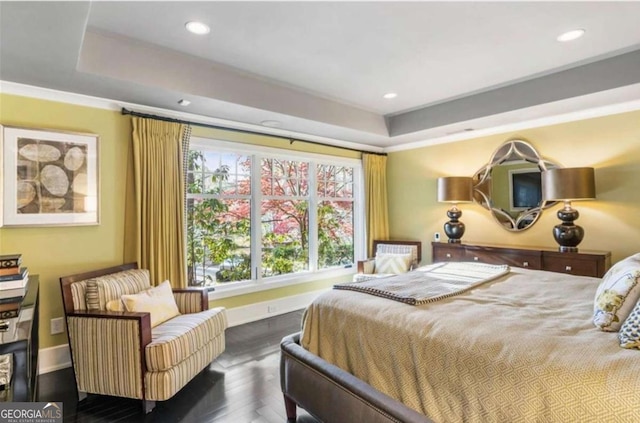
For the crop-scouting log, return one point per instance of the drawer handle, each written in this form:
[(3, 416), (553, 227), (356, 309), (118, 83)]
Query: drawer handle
[(567, 268), (475, 259), (448, 255), (525, 264)]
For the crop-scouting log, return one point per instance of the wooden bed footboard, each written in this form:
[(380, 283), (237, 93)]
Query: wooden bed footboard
[(332, 395)]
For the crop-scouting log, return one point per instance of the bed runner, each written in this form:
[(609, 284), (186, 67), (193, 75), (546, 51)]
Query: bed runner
[(429, 283)]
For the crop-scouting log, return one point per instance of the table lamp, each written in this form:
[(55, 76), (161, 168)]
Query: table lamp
[(568, 184), (454, 189)]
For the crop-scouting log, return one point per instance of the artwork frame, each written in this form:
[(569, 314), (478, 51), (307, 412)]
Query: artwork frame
[(48, 177)]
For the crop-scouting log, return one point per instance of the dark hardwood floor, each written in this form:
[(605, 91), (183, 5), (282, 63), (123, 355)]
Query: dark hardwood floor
[(241, 386)]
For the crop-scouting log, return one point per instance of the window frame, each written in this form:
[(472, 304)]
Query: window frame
[(257, 153)]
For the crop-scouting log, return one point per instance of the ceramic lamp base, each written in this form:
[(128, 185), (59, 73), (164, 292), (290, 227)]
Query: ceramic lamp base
[(454, 229), (567, 234)]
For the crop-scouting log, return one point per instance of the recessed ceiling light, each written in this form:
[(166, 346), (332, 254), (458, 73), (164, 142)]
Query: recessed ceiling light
[(197, 27), (389, 96), (571, 35), (271, 123), (184, 102)]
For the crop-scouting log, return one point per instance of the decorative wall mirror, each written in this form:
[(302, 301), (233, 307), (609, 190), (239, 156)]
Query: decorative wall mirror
[(509, 186)]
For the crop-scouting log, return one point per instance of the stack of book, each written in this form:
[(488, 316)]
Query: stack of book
[(13, 285)]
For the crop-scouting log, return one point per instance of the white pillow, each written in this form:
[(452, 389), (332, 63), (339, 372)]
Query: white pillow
[(115, 305), (158, 301), (392, 263), (617, 294)]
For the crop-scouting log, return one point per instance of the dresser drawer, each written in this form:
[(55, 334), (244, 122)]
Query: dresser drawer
[(447, 252), (572, 266), (511, 257)]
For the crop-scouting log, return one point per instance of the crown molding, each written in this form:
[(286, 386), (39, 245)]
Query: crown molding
[(40, 93), (588, 113), (114, 105)]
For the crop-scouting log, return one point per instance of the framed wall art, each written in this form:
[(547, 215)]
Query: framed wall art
[(48, 177)]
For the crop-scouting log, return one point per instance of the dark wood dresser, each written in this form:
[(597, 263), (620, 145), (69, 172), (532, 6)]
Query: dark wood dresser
[(582, 263)]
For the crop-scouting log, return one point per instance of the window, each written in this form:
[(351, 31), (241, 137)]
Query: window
[(335, 215), (264, 215)]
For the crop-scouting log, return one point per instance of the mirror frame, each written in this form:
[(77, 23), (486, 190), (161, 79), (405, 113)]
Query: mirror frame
[(507, 151)]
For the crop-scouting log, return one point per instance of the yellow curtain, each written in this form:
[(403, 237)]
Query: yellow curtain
[(159, 184), (375, 188)]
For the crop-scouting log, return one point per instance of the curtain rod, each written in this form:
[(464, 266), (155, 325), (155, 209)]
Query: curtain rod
[(243, 131)]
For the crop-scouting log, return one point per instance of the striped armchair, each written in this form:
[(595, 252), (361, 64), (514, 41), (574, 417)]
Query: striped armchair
[(391, 258), (119, 353)]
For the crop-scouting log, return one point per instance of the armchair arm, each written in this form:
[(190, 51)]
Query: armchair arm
[(191, 300), (366, 266), (107, 350)]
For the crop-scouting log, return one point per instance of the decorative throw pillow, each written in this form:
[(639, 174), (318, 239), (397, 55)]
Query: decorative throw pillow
[(158, 301), (392, 263), (617, 294), (629, 334), (115, 305)]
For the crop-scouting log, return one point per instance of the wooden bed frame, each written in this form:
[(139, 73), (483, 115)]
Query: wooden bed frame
[(332, 395), (329, 393)]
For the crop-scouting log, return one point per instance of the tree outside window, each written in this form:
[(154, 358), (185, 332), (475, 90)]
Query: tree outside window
[(219, 216)]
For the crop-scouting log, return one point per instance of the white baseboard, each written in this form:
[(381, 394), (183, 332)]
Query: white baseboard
[(53, 358), (56, 358), (258, 311)]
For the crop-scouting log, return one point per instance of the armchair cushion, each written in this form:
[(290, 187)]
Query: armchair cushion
[(102, 289), (157, 301), (180, 337)]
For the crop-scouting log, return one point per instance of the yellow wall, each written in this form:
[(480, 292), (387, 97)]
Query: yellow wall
[(610, 144), (59, 251)]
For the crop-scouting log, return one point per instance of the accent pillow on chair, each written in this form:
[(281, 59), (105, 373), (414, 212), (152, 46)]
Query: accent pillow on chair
[(392, 263), (158, 301), (617, 294)]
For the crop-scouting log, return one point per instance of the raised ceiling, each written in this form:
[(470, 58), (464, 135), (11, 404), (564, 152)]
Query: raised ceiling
[(322, 68)]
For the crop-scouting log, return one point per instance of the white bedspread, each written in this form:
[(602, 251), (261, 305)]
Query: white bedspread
[(521, 348)]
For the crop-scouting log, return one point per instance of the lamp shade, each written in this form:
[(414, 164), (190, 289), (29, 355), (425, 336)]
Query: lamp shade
[(455, 189), (567, 184)]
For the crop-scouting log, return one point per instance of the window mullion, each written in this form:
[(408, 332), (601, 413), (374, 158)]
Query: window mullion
[(359, 220), (256, 218), (313, 216)]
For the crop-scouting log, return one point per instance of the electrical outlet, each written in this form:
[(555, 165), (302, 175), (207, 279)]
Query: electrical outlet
[(57, 325), (271, 309), (436, 237)]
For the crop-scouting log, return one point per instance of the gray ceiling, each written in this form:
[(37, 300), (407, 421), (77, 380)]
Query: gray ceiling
[(321, 68)]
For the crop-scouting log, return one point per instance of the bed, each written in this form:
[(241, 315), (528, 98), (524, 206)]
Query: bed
[(521, 347)]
